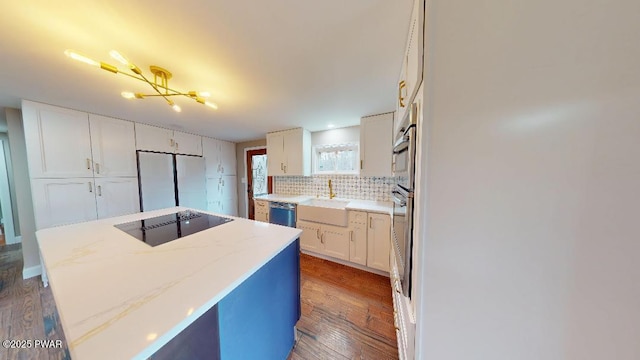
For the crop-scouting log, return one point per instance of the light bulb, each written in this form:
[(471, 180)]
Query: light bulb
[(211, 105), (204, 94), (176, 107), (128, 95), (75, 56), (116, 55)]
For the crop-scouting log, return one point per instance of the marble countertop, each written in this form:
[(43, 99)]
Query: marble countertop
[(119, 298), (383, 207)]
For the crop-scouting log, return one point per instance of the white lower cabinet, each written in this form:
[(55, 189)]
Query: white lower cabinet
[(310, 238), (261, 210), (335, 241), (63, 201), (378, 241), (116, 196), (358, 237)]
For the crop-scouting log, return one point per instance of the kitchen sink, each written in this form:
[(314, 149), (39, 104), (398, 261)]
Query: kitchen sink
[(326, 211)]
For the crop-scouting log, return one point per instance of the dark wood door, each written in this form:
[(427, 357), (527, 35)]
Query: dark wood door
[(257, 177)]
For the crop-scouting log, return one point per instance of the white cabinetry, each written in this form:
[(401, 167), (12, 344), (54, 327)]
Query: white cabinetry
[(222, 195), (153, 138), (324, 239), (57, 140), (289, 153), (358, 237), (412, 66), (376, 139), (310, 237), (116, 196), (378, 241), (63, 201), (113, 147), (69, 184), (220, 157), (262, 210)]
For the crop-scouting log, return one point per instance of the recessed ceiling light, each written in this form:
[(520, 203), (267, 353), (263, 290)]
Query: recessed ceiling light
[(331, 126)]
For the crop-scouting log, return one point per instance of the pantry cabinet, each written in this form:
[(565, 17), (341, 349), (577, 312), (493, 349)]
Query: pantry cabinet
[(376, 145), (220, 157), (411, 73), (116, 196), (113, 146), (58, 141), (153, 138), (63, 201), (222, 195), (289, 153)]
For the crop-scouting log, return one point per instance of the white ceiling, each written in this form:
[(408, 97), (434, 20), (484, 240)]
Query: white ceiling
[(269, 65)]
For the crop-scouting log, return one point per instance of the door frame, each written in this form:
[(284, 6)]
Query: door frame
[(245, 179), (5, 199)]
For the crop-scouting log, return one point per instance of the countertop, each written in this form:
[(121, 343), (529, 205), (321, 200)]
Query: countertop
[(119, 298), (383, 207)]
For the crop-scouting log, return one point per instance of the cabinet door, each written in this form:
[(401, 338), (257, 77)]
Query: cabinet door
[(376, 145), (229, 206), (113, 145), (211, 151), (191, 182), (310, 237), (378, 241), (117, 196), (63, 201), (335, 241), (275, 153), (264, 217), (187, 144), (414, 51), (214, 188), (227, 158), (153, 138), (293, 152), (358, 243), (229, 187), (261, 206), (58, 141)]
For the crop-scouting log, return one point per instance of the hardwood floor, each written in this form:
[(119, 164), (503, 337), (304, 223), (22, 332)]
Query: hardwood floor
[(346, 313)]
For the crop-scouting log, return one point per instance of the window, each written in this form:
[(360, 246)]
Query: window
[(336, 159)]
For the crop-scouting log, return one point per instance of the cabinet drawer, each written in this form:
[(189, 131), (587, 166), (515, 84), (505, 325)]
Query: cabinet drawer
[(262, 207)]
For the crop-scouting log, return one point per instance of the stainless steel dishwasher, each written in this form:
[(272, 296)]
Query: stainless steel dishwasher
[(282, 213)]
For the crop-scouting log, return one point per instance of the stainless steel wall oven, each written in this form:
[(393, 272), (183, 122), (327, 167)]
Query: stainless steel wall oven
[(404, 157)]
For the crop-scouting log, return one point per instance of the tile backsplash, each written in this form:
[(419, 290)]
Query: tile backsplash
[(344, 186)]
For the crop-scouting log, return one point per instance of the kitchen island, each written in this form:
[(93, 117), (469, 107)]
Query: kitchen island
[(232, 290)]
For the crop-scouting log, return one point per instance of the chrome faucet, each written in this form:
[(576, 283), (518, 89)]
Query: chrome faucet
[(331, 193)]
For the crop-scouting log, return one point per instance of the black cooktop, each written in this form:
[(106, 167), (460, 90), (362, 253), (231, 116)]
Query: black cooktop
[(163, 229)]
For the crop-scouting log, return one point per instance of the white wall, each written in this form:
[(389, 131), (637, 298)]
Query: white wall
[(30, 251), (532, 240), (345, 135)]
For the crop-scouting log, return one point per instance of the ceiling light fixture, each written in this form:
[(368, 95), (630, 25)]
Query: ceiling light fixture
[(160, 81)]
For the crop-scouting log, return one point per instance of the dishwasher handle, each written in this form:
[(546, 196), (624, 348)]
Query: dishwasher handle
[(282, 205)]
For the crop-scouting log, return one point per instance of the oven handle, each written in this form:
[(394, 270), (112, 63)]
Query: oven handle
[(400, 200)]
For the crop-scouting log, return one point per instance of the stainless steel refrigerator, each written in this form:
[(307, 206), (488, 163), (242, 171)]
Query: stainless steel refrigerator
[(168, 180)]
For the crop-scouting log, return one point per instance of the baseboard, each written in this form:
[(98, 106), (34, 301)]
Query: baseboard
[(347, 263), (32, 271)]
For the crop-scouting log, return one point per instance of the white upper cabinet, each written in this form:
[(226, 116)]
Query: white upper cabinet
[(376, 139), (113, 145), (220, 157), (411, 73), (289, 153), (63, 201), (57, 140), (153, 138), (187, 144), (116, 196)]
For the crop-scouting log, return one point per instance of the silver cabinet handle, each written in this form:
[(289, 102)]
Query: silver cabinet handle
[(99, 190), (97, 166), (88, 164), (90, 187)]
